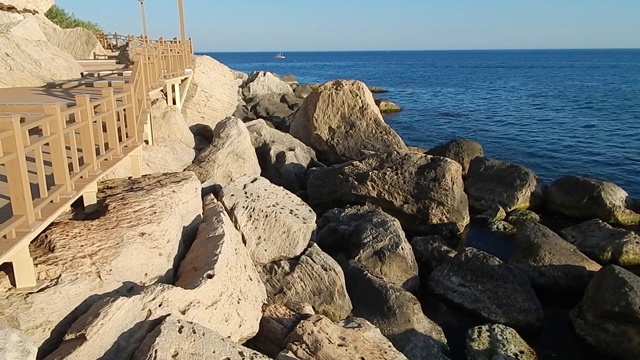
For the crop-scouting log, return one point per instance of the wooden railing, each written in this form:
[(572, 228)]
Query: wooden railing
[(50, 154)]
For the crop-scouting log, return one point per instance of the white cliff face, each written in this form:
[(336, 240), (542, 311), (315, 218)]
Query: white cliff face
[(40, 6)]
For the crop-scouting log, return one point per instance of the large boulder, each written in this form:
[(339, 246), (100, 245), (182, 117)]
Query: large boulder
[(550, 262), (608, 317), (283, 159), (396, 313), (488, 288), (15, 346), (138, 233), (212, 95), (460, 150), (584, 198), (320, 339), (497, 342), (275, 224), (29, 58), (79, 42), (313, 278), (419, 190), (373, 239), (180, 339), (604, 243), (270, 107), (431, 251), (262, 83), (40, 6), (170, 125), (340, 120), (495, 182), (229, 157)]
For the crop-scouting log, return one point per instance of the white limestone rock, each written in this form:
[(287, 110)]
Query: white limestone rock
[(79, 42), (262, 83), (229, 157), (276, 224), (135, 240), (40, 6), (15, 346), (212, 95)]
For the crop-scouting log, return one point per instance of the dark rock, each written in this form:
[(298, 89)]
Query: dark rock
[(314, 278), (340, 120), (608, 317), (396, 313), (292, 101), (431, 251), (460, 150), (488, 288), (497, 342), (244, 113), (584, 198), (373, 239), (550, 262), (508, 185), (419, 190), (269, 107), (501, 227), (605, 244), (519, 216)]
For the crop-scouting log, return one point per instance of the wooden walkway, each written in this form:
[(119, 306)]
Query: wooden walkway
[(57, 141)]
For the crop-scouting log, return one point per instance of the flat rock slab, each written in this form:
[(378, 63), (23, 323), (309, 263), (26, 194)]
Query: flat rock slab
[(488, 288), (604, 243), (320, 339), (608, 317), (314, 278), (373, 239), (184, 340), (549, 261), (275, 223), (136, 238)]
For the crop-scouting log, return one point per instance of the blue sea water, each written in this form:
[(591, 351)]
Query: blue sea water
[(558, 112)]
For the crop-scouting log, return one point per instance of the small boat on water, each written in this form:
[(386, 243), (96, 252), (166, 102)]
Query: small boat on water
[(280, 56)]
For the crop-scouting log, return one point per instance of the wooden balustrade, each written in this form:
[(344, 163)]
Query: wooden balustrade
[(50, 154)]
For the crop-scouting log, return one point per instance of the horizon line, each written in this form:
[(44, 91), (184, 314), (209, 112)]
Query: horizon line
[(409, 50)]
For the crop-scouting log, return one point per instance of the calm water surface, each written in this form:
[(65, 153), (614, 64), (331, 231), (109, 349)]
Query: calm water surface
[(558, 112)]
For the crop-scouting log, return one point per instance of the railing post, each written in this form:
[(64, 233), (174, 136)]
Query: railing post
[(24, 272), (87, 141), (17, 171), (58, 148), (131, 118), (111, 120)]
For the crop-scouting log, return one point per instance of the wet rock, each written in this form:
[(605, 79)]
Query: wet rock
[(501, 227), (264, 83), (519, 216), (229, 157), (16, 346), (488, 288), (275, 223), (283, 159), (314, 278), (550, 262), (397, 313), (460, 150), (387, 106), (605, 244), (492, 342), (490, 213), (180, 339), (498, 182), (608, 317), (373, 239), (419, 190), (431, 251), (584, 198), (83, 260), (320, 339), (340, 120)]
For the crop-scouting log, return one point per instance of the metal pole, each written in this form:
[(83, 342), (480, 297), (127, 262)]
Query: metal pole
[(183, 34), (144, 18)]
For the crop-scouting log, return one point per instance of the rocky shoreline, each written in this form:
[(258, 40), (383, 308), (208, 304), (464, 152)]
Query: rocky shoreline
[(289, 221)]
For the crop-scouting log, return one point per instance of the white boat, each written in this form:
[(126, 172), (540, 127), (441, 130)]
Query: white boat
[(280, 56)]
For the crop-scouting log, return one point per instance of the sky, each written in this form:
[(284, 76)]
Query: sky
[(325, 25)]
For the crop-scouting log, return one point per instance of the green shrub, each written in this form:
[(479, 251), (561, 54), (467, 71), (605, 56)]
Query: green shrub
[(65, 20)]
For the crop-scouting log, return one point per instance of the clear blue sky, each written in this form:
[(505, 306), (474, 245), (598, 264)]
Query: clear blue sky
[(301, 25)]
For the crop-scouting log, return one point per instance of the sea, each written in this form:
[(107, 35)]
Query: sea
[(557, 112)]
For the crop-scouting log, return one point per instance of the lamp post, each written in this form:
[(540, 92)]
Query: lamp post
[(183, 35), (144, 19)]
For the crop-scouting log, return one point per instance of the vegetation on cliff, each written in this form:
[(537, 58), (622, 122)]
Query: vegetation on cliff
[(60, 17)]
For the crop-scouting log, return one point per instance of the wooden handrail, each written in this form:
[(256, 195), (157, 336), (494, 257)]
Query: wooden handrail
[(77, 143)]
